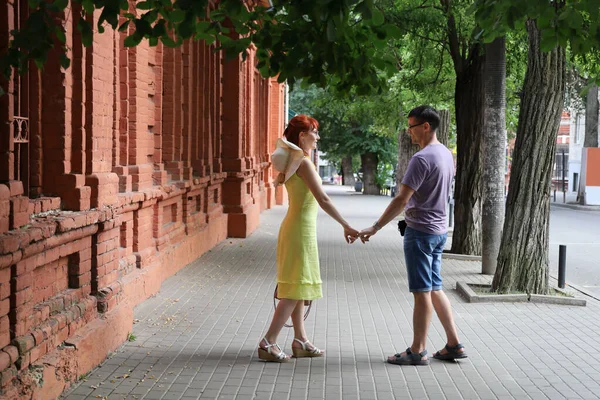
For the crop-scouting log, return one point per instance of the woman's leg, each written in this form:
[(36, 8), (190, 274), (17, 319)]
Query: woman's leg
[(298, 321), (299, 329), (282, 313)]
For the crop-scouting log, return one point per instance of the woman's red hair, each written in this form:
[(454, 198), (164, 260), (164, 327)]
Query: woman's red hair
[(300, 123)]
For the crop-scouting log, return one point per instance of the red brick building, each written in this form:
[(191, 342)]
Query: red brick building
[(114, 174)]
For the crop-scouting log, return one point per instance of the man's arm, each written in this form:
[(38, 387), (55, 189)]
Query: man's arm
[(395, 207)]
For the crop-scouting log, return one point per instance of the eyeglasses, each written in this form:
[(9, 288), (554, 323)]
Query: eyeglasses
[(415, 125)]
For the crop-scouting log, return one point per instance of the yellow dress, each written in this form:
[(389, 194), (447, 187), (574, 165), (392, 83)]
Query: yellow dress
[(298, 273)]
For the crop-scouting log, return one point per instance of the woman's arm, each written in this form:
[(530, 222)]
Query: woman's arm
[(309, 176)]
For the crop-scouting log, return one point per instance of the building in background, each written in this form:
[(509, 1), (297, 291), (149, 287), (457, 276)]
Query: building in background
[(114, 174), (576, 138), (560, 171)]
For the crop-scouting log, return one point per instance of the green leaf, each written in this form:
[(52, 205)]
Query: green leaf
[(177, 16), (548, 42), (186, 29), (124, 26), (202, 26), (167, 41), (61, 4), (60, 34), (144, 5), (205, 37), (64, 61), (393, 31), (378, 18), (87, 35), (153, 41), (133, 40), (88, 6)]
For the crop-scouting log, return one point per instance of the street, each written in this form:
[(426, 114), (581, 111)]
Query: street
[(580, 231)]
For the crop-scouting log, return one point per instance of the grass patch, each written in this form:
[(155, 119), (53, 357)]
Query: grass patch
[(554, 292), (487, 290), (83, 377), (131, 337)]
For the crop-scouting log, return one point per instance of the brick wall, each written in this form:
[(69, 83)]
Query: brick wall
[(137, 161)]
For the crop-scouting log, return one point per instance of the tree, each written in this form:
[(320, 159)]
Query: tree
[(437, 24), (353, 126), (329, 43), (494, 147), (551, 27), (523, 258), (591, 117)]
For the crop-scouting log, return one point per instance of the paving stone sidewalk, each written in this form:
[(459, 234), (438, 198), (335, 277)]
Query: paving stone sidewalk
[(197, 338)]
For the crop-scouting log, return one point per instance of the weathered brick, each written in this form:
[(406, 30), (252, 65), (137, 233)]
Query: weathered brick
[(8, 375), (23, 281), (4, 306), (4, 361), (23, 361), (38, 335), (38, 351), (12, 352), (22, 297), (24, 343), (9, 243)]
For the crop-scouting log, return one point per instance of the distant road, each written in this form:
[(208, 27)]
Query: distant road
[(580, 231)]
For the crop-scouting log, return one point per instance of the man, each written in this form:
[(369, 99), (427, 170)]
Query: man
[(424, 192)]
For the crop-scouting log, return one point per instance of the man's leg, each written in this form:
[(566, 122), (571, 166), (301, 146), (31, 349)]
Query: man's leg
[(443, 309), (417, 255), (421, 319), (440, 301)]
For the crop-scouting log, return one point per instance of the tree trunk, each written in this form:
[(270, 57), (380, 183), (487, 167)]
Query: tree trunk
[(443, 132), (591, 118), (369, 166), (405, 151), (494, 154), (347, 174), (523, 258), (466, 238)]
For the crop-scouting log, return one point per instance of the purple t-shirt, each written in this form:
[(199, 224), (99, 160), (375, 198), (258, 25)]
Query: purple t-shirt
[(429, 174)]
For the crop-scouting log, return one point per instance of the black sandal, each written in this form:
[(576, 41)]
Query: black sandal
[(409, 359), (452, 353)]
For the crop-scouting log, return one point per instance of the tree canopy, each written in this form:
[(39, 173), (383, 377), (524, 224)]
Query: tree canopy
[(328, 42)]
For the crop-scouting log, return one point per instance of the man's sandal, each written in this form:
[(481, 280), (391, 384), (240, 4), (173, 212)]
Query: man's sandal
[(267, 354), (304, 352), (452, 353), (409, 358)]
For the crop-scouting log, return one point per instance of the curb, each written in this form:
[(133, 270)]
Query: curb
[(575, 207), (467, 292), (463, 257), (579, 289)]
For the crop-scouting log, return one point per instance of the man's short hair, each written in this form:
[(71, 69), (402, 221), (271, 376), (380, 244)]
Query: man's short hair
[(426, 114)]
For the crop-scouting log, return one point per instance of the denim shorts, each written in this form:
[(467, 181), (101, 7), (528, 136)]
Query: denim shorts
[(423, 256)]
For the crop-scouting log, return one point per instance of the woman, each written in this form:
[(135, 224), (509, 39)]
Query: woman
[(298, 274)]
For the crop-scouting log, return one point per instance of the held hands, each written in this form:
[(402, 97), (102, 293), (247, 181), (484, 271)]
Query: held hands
[(350, 234), (365, 234)]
